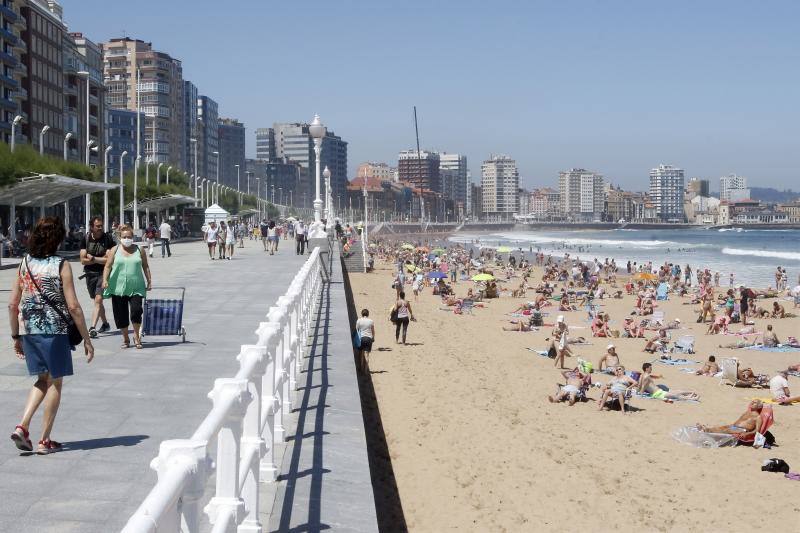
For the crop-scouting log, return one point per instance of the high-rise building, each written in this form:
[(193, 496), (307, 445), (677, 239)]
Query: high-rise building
[(733, 188), (207, 137), (374, 169), (544, 203), (420, 170), (120, 134), (666, 192), (136, 75), (581, 195), (500, 186), (43, 83), (231, 151), (83, 63), (697, 187), (475, 201), (190, 96), (265, 144), (12, 69), (454, 180), (293, 142)]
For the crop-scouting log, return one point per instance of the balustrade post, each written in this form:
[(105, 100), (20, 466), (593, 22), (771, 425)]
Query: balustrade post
[(253, 447), (269, 336), (286, 303), (277, 315), (227, 499)]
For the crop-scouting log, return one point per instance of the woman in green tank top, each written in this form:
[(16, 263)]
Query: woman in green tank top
[(126, 280)]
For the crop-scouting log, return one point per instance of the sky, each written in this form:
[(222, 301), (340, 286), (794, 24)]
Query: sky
[(617, 87)]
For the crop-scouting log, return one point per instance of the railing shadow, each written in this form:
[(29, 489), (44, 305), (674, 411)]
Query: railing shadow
[(316, 368)]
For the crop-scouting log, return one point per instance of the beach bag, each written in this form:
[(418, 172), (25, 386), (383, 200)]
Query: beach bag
[(759, 441), (551, 353), (357, 340), (775, 465), (393, 315), (74, 334)]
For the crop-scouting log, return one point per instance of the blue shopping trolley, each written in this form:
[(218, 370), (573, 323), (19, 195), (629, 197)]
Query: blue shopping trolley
[(164, 316)]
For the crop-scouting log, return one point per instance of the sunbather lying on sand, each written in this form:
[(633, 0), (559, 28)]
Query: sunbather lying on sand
[(747, 424), (575, 381), (647, 385)]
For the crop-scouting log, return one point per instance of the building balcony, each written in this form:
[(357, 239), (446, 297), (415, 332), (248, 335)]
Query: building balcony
[(10, 15), (8, 104), (9, 59), (9, 81), (9, 36)]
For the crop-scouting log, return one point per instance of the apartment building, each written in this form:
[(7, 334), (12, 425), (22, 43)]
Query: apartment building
[(420, 170), (453, 168), (666, 193), (121, 136), (581, 195), (231, 151), (207, 137), (12, 68), (500, 186)]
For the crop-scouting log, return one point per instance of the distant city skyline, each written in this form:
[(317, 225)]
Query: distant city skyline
[(613, 87)]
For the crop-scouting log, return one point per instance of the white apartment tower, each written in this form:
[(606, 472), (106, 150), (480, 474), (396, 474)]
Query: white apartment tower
[(500, 186), (453, 172), (581, 195), (666, 192), (733, 188)]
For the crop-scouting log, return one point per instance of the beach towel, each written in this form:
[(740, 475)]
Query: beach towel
[(779, 348), (771, 401), (675, 362), (661, 292), (543, 353)]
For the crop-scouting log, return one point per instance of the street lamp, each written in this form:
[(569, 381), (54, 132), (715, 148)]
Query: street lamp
[(258, 194), (202, 191), (328, 211), (168, 169), (67, 137), (122, 188), (238, 184), (105, 192), (196, 175), (14, 125), (247, 174), (217, 154), (317, 132), (158, 174), (87, 204), (135, 195), (41, 139)]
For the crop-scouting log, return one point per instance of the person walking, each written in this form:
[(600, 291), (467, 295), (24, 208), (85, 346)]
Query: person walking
[(165, 231), (264, 231), (210, 238), (94, 246), (42, 307), (272, 234), (404, 315), (150, 238), (240, 231), (222, 238), (126, 280), (300, 238), (365, 328), (230, 240)]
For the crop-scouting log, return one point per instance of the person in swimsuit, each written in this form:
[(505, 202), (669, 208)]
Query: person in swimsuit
[(610, 360), (709, 368), (617, 388), (647, 385), (747, 424), (575, 381)]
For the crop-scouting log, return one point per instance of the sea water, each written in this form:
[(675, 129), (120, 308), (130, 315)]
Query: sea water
[(752, 255)]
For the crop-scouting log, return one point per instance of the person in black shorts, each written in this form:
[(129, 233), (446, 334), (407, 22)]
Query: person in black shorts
[(365, 327), (93, 250)]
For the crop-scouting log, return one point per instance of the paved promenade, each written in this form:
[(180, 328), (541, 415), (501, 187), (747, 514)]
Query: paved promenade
[(116, 410)]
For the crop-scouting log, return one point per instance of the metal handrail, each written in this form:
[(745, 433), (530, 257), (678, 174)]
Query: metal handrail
[(245, 424)]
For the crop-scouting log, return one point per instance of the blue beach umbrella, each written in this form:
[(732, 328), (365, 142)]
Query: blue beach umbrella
[(437, 275)]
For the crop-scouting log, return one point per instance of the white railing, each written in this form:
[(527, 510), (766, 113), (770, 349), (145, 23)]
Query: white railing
[(247, 420)]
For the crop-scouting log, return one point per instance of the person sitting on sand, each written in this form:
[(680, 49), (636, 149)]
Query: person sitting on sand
[(647, 307), (658, 342), (770, 338), (646, 385), (519, 325), (720, 324), (747, 424), (632, 330), (564, 305), (610, 360), (778, 311), (760, 312), (710, 368), (576, 380), (600, 326), (779, 387), (617, 388)]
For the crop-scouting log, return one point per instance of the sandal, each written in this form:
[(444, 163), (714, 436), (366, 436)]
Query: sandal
[(47, 446), (138, 345), (125, 345), (22, 439)]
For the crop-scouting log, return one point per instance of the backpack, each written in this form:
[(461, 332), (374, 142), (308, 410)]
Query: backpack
[(775, 465)]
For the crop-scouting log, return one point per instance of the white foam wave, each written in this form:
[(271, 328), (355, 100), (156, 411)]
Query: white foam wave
[(791, 256), (583, 241)]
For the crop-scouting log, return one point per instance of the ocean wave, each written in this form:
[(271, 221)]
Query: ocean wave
[(792, 256), (585, 241)]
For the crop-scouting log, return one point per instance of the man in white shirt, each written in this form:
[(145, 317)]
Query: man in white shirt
[(165, 231), (779, 387), (300, 238)]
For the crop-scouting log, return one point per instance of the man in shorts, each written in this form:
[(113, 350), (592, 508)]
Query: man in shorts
[(365, 327), (93, 251), (264, 229)]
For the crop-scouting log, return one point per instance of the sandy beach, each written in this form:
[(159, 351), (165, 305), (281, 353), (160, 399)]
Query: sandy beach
[(476, 446)]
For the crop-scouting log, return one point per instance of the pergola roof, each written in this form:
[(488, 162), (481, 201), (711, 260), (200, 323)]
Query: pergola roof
[(162, 202), (49, 189)]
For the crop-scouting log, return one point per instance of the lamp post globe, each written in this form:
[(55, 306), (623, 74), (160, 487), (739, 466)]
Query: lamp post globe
[(328, 211)]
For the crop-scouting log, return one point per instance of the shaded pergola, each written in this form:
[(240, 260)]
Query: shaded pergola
[(161, 203), (47, 190)]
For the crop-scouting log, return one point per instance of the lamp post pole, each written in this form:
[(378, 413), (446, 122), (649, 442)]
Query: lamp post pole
[(170, 168), (122, 187), (41, 139), (247, 174), (317, 132), (328, 207), (158, 174), (67, 137), (105, 193), (238, 176), (258, 195), (202, 188), (135, 194), (196, 175), (216, 196)]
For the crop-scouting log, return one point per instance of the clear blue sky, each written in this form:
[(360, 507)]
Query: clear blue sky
[(612, 86)]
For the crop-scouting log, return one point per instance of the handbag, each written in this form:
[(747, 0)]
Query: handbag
[(393, 315), (74, 334)]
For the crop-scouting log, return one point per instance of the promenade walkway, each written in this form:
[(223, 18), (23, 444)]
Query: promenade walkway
[(116, 410)]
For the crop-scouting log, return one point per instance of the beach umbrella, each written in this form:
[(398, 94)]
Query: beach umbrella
[(438, 251), (407, 246), (503, 250), (423, 249), (645, 275), (482, 277), (437, 275), (373, 245), (411, 268)]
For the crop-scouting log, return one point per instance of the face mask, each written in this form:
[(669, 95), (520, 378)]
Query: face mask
[(126, 242)]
